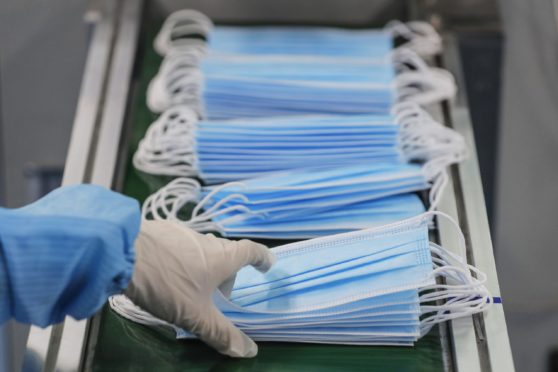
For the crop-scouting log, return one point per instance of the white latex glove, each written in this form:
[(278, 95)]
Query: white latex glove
[(176, 273)]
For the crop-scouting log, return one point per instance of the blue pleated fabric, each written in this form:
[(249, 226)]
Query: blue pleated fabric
[(66, 254)]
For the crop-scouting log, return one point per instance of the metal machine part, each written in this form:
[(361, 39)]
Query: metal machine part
[(92, 153), (99, 146)]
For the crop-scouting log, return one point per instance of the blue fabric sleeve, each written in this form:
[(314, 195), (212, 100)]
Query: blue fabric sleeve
[(5, 296), (66, 254)]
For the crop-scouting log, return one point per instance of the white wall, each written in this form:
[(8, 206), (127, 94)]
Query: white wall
[(527, 197), (42, 52)]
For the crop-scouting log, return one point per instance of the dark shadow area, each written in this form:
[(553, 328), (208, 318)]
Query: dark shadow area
[(481, 57)]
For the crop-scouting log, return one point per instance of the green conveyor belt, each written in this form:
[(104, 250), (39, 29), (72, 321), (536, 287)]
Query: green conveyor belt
[(122, 345)]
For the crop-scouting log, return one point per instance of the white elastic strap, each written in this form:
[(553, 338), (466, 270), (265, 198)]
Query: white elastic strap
[(169, 200), (423, 139), (179, 81), (168, 147), (421, 37), (462, 294), (178, 26), (417, 82), (124, 307), (425, 87), (405, 59)]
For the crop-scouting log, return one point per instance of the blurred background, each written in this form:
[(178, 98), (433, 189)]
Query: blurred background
[(509, 55)]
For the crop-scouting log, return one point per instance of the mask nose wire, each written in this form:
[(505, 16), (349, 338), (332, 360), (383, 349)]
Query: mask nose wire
[(171, 199), (179, 79)]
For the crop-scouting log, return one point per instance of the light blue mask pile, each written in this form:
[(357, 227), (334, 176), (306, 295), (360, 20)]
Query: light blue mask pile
[(188, 29), (341, 72), (300, 203), (361, 288), (302, 168), (178, 144), (222, 88), (302, 41), (247, 86)]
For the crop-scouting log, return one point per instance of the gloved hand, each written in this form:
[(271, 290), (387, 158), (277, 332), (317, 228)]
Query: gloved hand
[(176, 272)]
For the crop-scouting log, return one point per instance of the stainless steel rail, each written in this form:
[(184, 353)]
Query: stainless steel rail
[(93, 146), (491, 337)]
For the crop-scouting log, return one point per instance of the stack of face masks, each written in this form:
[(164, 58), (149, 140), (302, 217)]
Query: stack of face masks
[(303, 202), (188, 29), (275, 81), (178, 144), (370, 287)]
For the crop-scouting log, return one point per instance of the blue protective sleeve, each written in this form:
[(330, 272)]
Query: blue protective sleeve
[(66, 253)]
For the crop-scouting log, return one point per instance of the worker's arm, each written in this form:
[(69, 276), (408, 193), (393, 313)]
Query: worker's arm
[(68, 252)]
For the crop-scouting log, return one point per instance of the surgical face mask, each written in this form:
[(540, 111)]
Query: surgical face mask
[(221, 151), (369, 287), (350, 217), (189, 29), (222, 87), (292, 224), (261, 206)]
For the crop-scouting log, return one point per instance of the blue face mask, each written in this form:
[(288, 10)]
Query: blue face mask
[(268, 205), (370, 287), (269, 71), (281, 68), (222, 151), (182, 30), (222, 87), (326, 222)]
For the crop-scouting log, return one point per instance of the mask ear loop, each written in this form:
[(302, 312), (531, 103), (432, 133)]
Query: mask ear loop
[(463, 294), (168, 147), (169, 200), (405, 59), (215, 209), (178, 26), (418, 82), (425, 87), (179, 81), (423, 139), (124, 307), (421, 37)]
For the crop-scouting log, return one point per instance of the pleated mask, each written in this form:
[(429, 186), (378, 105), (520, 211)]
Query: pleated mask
[(178, 144), (262, 205), (189, 29), (224, 87), (370, 287)]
